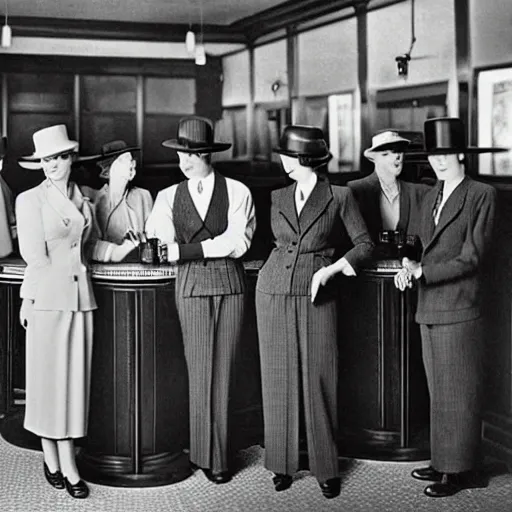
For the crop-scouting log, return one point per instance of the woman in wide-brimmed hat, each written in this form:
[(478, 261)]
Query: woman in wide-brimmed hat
[(207, 223), (57, 235), (296, 312), (120, 207), (455, 226)]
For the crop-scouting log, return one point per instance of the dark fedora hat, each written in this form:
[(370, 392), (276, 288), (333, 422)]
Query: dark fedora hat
[(447, 135), (304, 141), (195, 135), (3, 146), (110, 149)]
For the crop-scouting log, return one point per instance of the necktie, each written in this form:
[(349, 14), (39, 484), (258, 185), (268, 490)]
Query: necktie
[(200, 187), (301, 195), (438, 202)]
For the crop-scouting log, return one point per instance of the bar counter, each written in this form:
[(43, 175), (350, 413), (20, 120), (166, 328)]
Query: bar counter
[(138, 425)]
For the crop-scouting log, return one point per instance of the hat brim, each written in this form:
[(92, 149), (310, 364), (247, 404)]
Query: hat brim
[(213, 148), (369, 152), (106, 156), (471, 150), (31, 165), (318, 160)]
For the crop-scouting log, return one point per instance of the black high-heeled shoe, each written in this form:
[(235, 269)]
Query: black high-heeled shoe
[(331, 488), (54, 479), (78, 490), (282, 482)]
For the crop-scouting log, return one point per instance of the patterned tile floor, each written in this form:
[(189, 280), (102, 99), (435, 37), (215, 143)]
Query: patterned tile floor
[(367, 487)]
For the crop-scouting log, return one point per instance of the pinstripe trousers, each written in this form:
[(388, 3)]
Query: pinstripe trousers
[(298, 351), (211, 327), (453, 359)]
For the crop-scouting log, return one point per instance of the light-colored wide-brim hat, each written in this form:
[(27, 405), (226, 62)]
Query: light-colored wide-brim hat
[(383, 140), (51, 141)]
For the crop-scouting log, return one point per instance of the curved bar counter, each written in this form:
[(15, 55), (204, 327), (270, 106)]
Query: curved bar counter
[(138, 424)]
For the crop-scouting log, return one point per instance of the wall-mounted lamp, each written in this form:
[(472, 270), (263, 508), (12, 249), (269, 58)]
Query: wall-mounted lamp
[(276, 85), (6, 31)]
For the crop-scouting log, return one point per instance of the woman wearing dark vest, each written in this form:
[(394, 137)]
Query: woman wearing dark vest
[(207, 222), (296, 328), (455, 227)]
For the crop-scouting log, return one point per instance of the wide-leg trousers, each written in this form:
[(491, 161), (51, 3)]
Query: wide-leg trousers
[(298, 352), (211, 327), (453, 357)]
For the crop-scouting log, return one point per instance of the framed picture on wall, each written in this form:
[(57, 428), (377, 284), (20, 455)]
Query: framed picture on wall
[(495, 120), (344, 136)]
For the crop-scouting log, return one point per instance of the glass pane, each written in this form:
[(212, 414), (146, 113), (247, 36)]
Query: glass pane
[(156, 130), (98, 129), (170, 96), (22, 126), (40, 93), (109, 94)]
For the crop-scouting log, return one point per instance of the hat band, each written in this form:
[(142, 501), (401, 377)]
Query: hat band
[(314, 149), (193, 144)]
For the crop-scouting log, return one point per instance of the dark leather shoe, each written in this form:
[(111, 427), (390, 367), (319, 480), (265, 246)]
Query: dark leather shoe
[(331, 488), (428, 473), (78, 490), (282, 482), (217, 477), (54, 479), (452, 483)]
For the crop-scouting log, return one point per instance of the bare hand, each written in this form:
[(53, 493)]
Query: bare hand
[(121, 251), (26, 312), (413, 267), (403, 279), (320, 278)]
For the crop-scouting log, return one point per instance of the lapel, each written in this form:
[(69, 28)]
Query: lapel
[(405, 207), (372, 202), (61, 204), (215, 219), (316, 204), (193, 223), (287, 207), (450, 210)]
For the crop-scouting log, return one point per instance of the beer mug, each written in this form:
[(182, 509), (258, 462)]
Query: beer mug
[(150, 251)]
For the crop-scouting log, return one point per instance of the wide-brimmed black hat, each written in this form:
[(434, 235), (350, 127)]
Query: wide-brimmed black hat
[(110, 149), (447, 135), (195, 135), (3, 146), (305, 141)]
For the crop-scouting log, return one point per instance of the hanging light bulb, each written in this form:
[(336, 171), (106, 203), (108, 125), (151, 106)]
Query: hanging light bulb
[(6, 31), (190, 41), (200, 55)]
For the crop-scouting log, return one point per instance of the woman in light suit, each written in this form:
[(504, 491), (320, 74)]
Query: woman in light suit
[(297, 330), (57, 236)]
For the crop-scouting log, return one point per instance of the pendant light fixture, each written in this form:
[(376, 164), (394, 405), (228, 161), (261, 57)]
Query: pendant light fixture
[(200, 52), (190, 41), (6, 30)]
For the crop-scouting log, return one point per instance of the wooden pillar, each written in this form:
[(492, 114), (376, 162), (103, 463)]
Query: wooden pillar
[(361, 8), (291, 67), (250, 106), (467, 105), (76, 106), (5, 105), (139, 114)]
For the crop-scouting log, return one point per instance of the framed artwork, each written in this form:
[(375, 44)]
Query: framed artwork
[(344, 133), (495, 120)]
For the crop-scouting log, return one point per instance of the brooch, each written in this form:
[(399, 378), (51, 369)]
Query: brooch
[(66, 222)]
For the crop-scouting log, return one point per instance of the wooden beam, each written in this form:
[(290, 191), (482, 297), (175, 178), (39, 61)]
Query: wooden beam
[(463, 62)]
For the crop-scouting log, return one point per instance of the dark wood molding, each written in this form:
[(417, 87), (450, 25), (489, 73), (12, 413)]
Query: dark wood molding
[(178, 68), (463, 63), (92, 29)]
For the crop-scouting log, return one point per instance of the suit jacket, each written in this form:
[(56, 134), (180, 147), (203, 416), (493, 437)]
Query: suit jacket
[(453, 253), (6, 219), (132, 212), (306, 243), (57, 235), (367, 193)]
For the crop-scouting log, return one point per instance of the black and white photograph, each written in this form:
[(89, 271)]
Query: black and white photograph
[(255, 255)]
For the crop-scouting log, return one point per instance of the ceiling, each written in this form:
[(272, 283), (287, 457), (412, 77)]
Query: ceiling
[(211, 12)]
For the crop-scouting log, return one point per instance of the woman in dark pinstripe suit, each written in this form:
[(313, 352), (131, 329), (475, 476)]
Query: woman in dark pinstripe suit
[(297, 316), (455, 226)]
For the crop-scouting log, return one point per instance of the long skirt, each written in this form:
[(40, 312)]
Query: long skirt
[(299, 354), (58, 369), (211, 328), (453, 358)]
